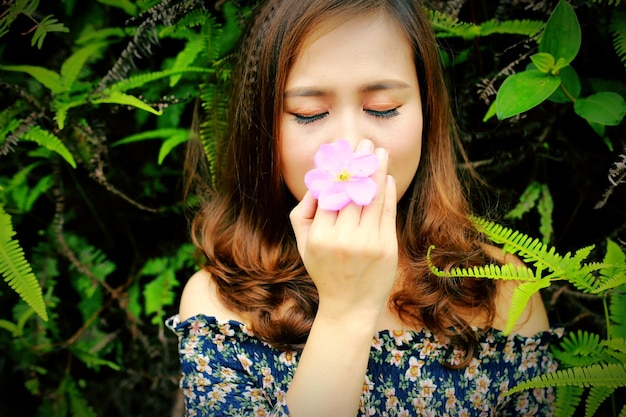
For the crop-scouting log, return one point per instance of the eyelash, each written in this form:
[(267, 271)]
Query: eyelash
[(385, 114)]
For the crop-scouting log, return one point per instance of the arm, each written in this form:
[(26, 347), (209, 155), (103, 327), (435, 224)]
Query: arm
[(352, 256)]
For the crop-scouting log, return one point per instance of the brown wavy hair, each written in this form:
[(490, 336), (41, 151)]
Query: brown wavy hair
[(243, 228)]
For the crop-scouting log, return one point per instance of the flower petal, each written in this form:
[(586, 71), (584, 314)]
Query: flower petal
[(363, 165), (362, 190), (318, 179), (333, 156), (334, 197)]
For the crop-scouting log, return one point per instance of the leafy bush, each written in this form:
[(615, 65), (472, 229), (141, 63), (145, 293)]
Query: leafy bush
[(93, 237)]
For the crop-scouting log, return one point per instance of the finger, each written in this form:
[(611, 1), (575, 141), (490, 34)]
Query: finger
[(389, 210), (301, 218), (371, 213)]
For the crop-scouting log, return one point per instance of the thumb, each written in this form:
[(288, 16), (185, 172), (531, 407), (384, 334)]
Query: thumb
[(301, 218)]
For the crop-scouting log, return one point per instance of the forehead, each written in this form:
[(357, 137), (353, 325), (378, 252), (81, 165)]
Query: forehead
[(353, 46)]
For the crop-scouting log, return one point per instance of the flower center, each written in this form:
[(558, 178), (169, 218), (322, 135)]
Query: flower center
[(343, 175)]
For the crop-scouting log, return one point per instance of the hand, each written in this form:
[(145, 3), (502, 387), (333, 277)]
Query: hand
[(352, 254)]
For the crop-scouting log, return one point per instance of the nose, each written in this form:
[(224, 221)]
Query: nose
[(351, 129)]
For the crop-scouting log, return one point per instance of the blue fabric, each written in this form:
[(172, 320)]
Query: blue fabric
[(227, 371)]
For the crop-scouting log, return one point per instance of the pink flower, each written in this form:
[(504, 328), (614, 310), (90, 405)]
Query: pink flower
[(341, 175)]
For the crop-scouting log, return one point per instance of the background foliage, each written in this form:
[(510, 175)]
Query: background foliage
[(96, 103)]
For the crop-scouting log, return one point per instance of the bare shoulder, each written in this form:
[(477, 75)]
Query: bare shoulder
[(200, 297), (534, 319)]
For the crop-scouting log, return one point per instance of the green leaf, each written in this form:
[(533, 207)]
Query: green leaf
[(74, 64), (16, 270), (117, 97), (562, 36), (49, 79), (606, 108), (569, 82), (48, 24), (543, 61), (171, 143), (521, 297), (150, 134), (523, 91), (49, 141)]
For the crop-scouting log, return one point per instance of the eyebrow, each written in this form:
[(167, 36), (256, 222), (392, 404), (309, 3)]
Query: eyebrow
[(368, 88)]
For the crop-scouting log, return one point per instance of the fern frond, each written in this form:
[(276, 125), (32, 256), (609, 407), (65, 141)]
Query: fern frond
[(618, 28), (580, 349), (46, 77), (622, 413), (521, 297), (142, 79), (193, 48), (524, 27), (617, 314), (597, 395), (49, 141), (567, 400), (611, 283), (16, 270), (505, 272), (446, 26), (543, 257), (74, 64), (608, 375)]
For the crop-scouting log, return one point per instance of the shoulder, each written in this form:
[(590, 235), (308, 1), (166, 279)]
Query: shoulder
[(200, 297), (534, 318)]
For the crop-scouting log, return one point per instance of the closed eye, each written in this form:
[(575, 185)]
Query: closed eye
[(305, 120), (383, 114)]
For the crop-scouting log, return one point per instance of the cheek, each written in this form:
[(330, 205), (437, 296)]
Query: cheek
[(405, 154), (296, 160)]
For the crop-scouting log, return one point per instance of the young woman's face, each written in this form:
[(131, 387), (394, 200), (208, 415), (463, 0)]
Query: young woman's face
[(354, 80)]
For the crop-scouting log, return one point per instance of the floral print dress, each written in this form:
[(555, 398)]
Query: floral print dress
[(227, 371)]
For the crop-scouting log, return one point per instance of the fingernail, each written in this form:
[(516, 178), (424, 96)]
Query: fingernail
[(381, 153)]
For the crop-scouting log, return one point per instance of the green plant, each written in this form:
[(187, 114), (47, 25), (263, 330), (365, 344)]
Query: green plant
[(588, 360), (551, 76)]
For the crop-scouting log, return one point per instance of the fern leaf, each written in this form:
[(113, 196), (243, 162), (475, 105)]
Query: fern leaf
[(543, 257), (597, 395), (159, 293), (78, 405), (142, 79), (186, 57), (617, 314), (567, 400), (16, 270), (117, 97), (504, 272), (46, 77), (524, 27), (74, 64), (608, 375), (580, 349), (150, 134), (446, 26), (49, 141), (622, 413), (521, 297), (171, 143), (545, 207), (618, 28), (527, 201)]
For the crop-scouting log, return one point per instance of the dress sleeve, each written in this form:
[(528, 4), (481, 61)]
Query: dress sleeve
[(532, 359), (217, 376)]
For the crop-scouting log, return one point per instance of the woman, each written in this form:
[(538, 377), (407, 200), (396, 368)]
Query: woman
[(299, 310)]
